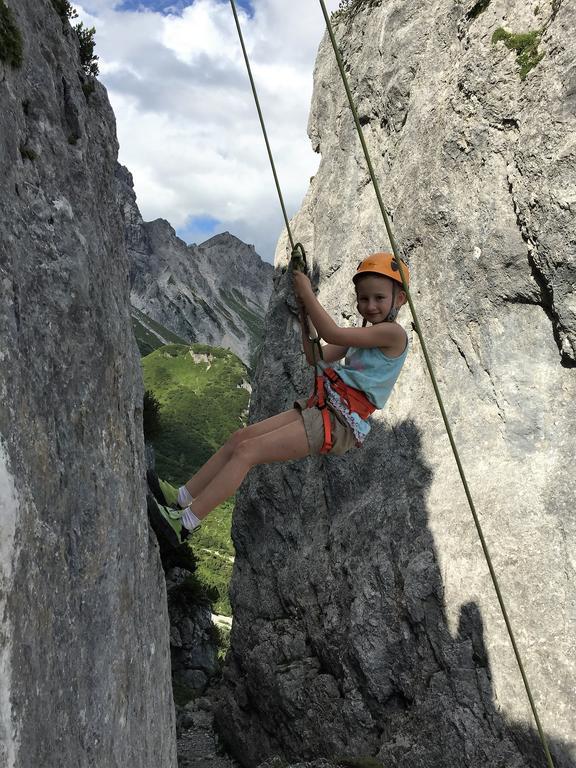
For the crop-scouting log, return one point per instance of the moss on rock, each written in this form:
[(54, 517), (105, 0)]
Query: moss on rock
[(10, 38), (526, 46)]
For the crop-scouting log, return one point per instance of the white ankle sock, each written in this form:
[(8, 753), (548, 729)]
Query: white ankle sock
[(184, 498), (189, 519)]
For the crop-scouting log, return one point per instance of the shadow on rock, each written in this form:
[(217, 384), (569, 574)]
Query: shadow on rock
[(341, 644)]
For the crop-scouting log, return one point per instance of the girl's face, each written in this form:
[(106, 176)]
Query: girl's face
[(375, 297)]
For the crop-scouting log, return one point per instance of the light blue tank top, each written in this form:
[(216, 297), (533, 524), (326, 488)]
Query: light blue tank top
[(369, 369)]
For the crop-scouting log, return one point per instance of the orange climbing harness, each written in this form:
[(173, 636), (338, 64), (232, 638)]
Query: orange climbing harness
[(356, 401)]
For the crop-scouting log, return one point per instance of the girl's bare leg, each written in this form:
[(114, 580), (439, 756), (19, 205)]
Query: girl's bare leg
[(212, 467), (282, 444)]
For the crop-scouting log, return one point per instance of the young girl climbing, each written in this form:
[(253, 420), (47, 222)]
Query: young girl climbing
[(331, 421)]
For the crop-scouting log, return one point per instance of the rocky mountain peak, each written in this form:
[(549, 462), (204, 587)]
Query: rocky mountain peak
[(216, 292), (226, 239)]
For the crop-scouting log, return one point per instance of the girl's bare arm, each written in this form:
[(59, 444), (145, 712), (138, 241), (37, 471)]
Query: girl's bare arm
[(380, 335), (330, 352), (333, 352)]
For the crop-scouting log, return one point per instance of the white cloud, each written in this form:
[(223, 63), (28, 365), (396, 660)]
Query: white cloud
[(187, 123)]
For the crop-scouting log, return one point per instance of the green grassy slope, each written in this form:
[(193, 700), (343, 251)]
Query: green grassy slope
[(214, 553), (149, 334), (202, 401)]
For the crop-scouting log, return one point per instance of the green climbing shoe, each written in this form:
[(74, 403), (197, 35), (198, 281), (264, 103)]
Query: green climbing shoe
[(164, 493), (166, 522)]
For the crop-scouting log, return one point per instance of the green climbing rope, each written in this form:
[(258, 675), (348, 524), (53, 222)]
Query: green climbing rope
[(435, 385), (298, 255), (263, 126)]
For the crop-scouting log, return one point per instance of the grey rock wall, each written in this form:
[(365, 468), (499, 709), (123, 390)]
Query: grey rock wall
[(84, 646), (193, 642), (365, 621), (214, 293)]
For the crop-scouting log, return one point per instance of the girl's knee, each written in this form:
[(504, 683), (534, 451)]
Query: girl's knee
[(236, 438), (244, 450)]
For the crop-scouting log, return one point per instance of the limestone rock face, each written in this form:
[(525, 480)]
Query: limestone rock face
[(84, 640), (193, 645), (215, 293), (365, 621)]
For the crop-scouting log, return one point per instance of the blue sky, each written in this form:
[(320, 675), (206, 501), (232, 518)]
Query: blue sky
[(172, 6), (186, 121), (200, 228)]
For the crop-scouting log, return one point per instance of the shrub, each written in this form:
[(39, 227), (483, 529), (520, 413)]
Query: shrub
[(88, 58), (64, 9), (526, 46), (10, 38), (221, 636), (151, 416)]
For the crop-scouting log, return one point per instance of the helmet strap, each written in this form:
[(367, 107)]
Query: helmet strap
[(393, 314)]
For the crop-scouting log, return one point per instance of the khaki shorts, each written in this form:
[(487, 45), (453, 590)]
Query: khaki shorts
[(342, 434)]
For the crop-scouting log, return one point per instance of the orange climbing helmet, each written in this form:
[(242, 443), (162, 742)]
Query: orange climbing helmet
[(383, 264)]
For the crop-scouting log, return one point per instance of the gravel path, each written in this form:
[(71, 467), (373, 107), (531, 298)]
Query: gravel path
[(198, 744)]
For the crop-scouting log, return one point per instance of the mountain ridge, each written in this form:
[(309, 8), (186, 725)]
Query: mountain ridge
[(215, 292)]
